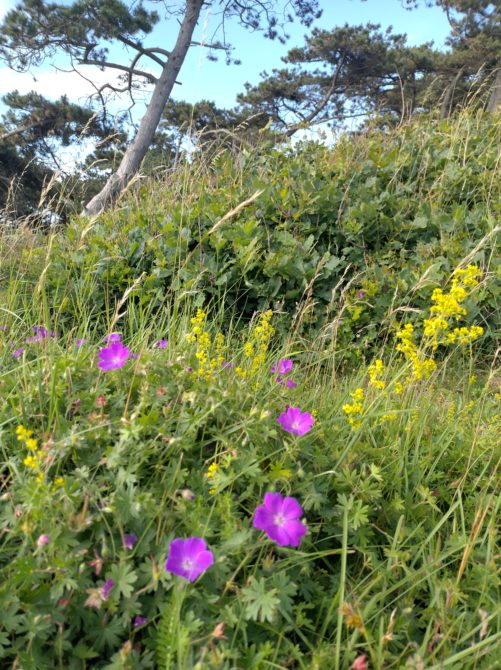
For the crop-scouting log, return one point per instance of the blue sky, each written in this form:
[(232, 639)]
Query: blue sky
[(216, 81), (203, 79)]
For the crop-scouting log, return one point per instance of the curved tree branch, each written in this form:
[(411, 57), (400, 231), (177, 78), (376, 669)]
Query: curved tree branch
[(321, 105), (116, 66)]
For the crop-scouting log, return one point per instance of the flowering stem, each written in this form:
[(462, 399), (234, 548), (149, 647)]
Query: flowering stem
[(340, 598), (167, 635)]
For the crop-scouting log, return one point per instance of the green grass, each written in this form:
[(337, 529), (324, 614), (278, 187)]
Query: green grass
[(401, 559)]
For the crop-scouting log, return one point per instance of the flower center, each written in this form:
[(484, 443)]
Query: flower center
[(278, 520), (187, 564)]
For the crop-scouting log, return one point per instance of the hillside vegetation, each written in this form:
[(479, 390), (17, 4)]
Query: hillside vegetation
[(290, 354)]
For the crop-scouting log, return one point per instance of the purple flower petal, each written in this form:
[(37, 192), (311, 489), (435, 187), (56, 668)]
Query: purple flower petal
[(279, 518), (106, 588), (140, 621), (161, 344), (43, 332), (273, 502), (283, 366), (287, 382), (113, 338), (194, 545), (291, 509), (188, 558), (296, 422), (113, 357), (261, 518), (129, 540), (18, 352)]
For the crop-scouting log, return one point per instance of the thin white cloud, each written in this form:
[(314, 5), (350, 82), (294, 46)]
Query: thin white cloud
[(55, 83)]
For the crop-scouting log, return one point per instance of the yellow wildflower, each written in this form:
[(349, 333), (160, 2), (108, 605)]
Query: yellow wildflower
[(212, 470), (23, 434), (355, 409), (31, 462), (376, 371)]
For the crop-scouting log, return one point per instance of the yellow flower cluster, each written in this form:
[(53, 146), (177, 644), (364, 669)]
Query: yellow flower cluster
[(448, 306), (256, 347), (199, 335), (465, 335), (354, 409), (213, 476), (421, 367), (34, 459), (375, 372), (467, 276)]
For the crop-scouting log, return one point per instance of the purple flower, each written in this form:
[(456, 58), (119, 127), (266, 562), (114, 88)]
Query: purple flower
[(18, 352), (287, 382), (283, 367), (279, 519), (228, 365), (106, 588), (34, 338), (189, 558), (79, 343), (140, 621), (295, 421), (113, 357), (43, 332), (43, 540), (129, 540), (161, 344), (361, 294), (113, 338)]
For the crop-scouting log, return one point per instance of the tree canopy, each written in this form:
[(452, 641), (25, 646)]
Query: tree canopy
[(338, 74), (32, 132), (84, 30)]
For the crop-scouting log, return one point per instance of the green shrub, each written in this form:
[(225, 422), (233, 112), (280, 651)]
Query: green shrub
[(363, 229)]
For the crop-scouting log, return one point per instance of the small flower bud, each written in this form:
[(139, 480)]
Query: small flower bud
[(43, 540)]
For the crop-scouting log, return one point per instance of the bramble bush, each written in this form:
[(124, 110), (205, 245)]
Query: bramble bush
[(341, 240)]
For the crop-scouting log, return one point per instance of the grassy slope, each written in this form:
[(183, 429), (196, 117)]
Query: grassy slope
[(401, 558)]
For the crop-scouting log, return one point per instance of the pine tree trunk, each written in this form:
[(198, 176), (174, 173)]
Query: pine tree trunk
[(495, 98), (136, 151)]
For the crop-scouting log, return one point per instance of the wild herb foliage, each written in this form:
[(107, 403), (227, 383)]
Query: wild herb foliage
[(342, 239), (104, 468)]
